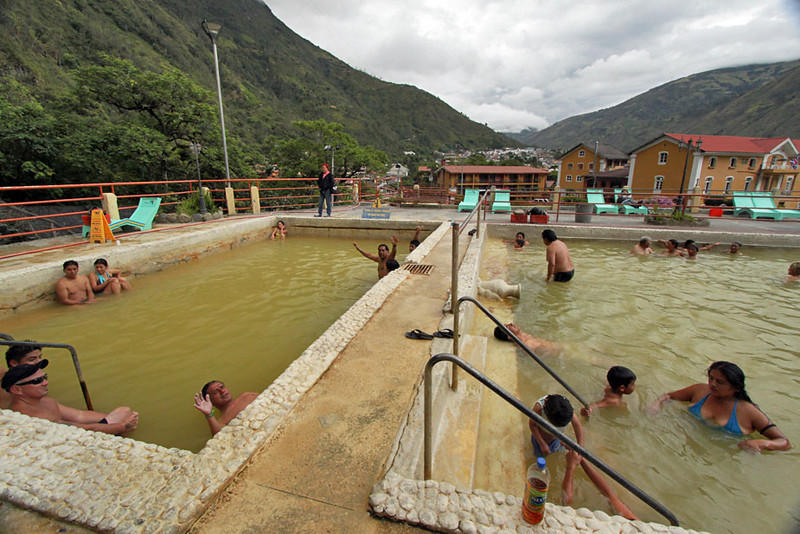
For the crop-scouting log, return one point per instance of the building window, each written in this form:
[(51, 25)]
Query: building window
[(712, 162), (789, 182), (580, 166), (752, 163), (579, 178), (732, 163), (569, 166), (569, 177), (581, 153), (659, 183), (662, 158), (709, 182), (695, 183), (591, 166), (747, 183), (728, 183)]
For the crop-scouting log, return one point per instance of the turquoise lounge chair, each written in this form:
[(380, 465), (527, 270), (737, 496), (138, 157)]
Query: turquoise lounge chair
[(765, 200), (628, 209), (595, 196), (142, 218), (502, 201), (471, 198), (745, 207)]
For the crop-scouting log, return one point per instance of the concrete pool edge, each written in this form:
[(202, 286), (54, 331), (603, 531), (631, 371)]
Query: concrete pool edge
[(118, 484), (401, 494)]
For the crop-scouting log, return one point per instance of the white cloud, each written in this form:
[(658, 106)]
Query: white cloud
[(515, 64)]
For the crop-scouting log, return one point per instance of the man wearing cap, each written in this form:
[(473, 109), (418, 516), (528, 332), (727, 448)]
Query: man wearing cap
[(27, 384), (15, 355), (215, 397)]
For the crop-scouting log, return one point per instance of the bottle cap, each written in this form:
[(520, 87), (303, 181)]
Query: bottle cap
[(541, 463)]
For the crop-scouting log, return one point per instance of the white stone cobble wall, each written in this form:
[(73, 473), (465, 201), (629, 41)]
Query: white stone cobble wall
[(111, 483)]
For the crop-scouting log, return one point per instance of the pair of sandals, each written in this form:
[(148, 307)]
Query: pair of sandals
[(419, 334)]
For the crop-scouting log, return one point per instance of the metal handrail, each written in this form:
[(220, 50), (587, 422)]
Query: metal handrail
[(541, 421), (477, 208), (524, 347), (5, 339)]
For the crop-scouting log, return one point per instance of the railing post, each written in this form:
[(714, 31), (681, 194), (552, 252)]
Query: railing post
[(230, 200), (454, 304), (255, 199)]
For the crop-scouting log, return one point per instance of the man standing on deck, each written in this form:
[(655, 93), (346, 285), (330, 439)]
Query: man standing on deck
[(27, 384), (73, 288), (215, 396), (383, 256), (559, 263)]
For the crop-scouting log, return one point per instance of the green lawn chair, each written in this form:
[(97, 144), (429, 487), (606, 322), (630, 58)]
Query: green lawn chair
[(745, 207), (595, 196), (471, 198), (502, 201), (628, 209), (765, 200), (142, 218)]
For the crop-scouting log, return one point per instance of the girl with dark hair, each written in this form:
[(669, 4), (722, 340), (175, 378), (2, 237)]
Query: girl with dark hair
[(723, 403)]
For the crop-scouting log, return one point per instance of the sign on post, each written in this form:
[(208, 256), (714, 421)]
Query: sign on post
[(375, 213)]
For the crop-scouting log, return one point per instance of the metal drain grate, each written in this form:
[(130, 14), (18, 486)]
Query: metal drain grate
[(418, 268)]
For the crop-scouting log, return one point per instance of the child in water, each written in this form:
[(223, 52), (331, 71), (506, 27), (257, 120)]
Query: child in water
[(279, 230), (621, 381)]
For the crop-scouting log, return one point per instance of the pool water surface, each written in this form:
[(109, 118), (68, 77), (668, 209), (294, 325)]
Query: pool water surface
[(667, 319)]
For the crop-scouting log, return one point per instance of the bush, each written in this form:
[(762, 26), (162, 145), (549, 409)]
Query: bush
[(191, 204)]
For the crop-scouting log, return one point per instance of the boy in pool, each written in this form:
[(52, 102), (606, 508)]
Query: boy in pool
[(559, 413), (794, 272), (621, 381)]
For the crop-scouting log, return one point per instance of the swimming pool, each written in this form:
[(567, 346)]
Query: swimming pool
[(667, 319), (240, 317)]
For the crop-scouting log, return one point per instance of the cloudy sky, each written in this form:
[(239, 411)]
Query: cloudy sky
[(515, 64)]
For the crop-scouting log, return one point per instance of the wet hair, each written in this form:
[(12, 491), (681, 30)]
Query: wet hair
[(735, 377), (500, 334), (674, 242), (15, 353), (383, 245), (392, 265), (692, 246), (280, 222), (620, 376), (415, 242), (204, 391), (688, 242), (558, 410), (521, 234), (644, 241), (68, 263), (101, 261), (549, 235), (737, 243), (795, 268)]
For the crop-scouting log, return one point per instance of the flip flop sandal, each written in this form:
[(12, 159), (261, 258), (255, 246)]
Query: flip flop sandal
[(418, 334), (444, 332)]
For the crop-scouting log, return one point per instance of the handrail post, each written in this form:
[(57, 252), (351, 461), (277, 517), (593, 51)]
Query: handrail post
[(454, 304)]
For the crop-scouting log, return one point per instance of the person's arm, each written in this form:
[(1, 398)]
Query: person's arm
[(708, 246), (537, 433), (776, 440), (578, 428), (551, 263), (274, 231), (394, 248), (416, 233), (366, 254), (684, 395), (95, 284), (207, 409), (88, 289), (118, 421)]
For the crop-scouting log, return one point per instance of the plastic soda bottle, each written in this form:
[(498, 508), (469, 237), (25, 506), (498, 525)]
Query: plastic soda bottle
[(536, 486)]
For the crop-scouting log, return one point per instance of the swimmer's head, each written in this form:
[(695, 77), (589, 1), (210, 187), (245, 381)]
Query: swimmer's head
[(549, 235), (383, 250), (794, 269), (413, 245), (621, 377), (734, 375), (558, 410), (688, 242), (500, 334), (645, 241), (735, 246), (520, 235), (392, 265)]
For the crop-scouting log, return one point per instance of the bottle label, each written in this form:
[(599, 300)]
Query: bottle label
[(536, 495)]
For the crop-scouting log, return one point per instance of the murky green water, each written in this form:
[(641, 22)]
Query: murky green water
[(240, 317), (668, 319)]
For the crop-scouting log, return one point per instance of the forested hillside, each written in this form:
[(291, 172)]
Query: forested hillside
[(756, 100)]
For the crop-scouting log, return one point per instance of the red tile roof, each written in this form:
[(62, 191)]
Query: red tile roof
[(493, 169), (734, 144)]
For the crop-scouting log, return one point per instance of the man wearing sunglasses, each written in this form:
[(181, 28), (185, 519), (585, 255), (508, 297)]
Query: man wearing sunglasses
[(27, 384), (16, 355)]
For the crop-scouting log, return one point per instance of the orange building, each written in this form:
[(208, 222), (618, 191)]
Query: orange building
[(578, 166), (715, 164), (460, 177)]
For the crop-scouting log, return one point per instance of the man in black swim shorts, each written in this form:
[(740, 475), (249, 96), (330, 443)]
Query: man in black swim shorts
[(559, 262)]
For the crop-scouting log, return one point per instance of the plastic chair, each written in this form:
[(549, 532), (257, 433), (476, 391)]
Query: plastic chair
[(471, 198), (745, 206), (628, 209), (765, 200), (142, 218), (595, 197), (502, 200)]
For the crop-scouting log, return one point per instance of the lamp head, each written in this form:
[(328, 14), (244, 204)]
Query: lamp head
[(211, 29)]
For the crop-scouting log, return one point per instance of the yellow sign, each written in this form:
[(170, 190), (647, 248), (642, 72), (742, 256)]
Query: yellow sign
[(99, 231)]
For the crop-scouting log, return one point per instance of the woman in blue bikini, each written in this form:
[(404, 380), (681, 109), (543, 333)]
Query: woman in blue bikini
[(723, 403)]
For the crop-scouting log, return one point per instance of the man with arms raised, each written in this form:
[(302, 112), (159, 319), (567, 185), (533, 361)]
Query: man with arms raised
[(73, 288), (559, 263), (383, 256), (215, 396), (27, 384)]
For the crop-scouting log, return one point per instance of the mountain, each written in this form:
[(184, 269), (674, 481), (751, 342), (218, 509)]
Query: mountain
[(755, 100), (270, 75)]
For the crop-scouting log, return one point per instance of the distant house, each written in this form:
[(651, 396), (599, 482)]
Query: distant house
[(715, 164), (514, 178), (398, 171), (578, 166)]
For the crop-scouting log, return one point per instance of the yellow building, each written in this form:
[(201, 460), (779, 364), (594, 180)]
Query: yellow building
[(577, 168), (715, 164)]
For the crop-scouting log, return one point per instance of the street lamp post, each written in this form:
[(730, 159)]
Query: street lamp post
[(212, 30), (688, 146), (196, 151)]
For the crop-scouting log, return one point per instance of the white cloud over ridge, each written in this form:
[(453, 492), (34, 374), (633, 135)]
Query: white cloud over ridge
[(515, 64)]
